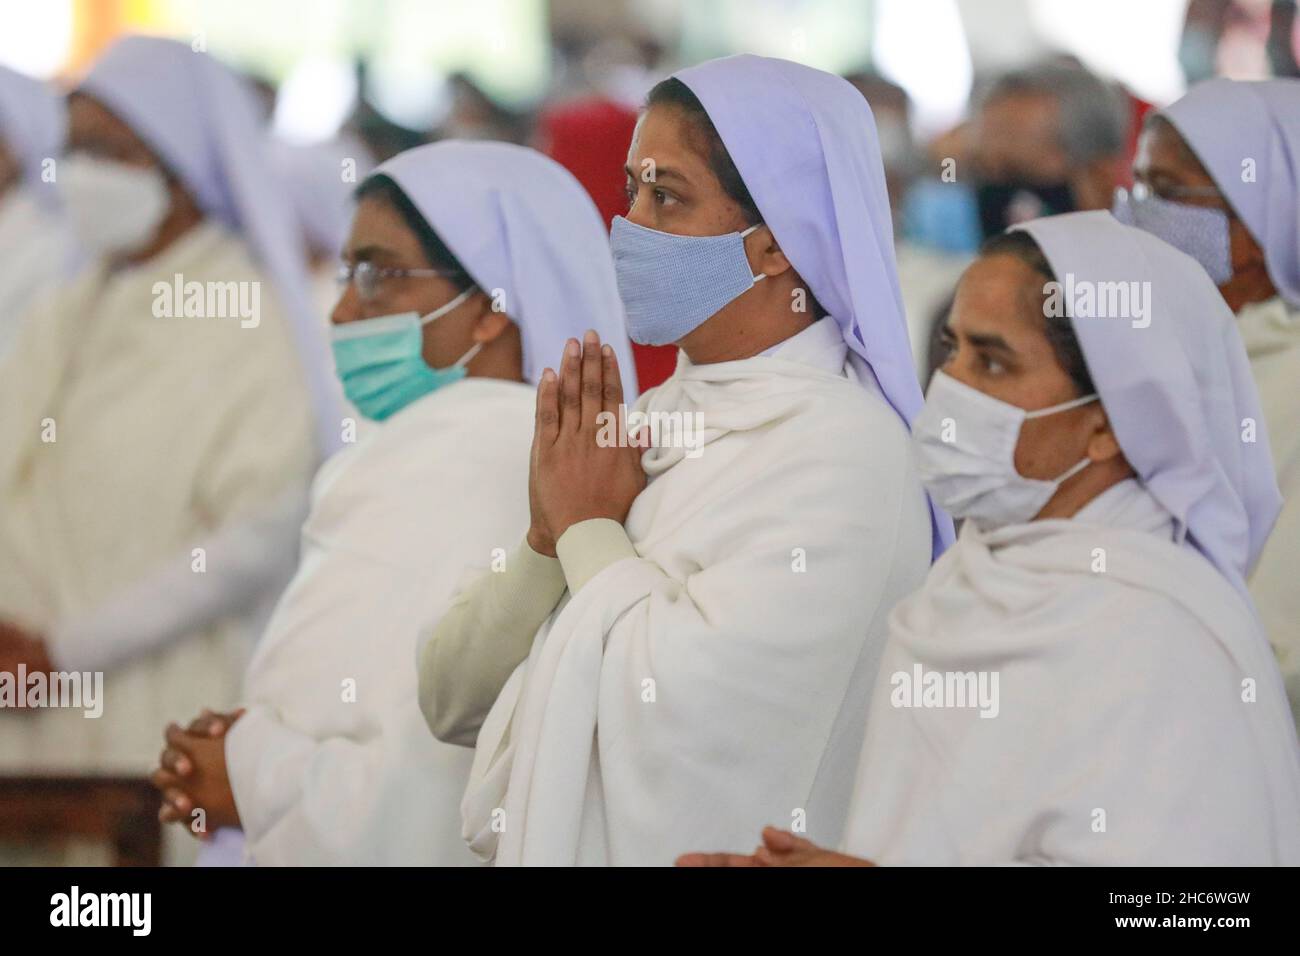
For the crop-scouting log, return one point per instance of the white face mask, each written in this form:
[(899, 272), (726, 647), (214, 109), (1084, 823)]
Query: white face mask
[(114, 207), (964, 442)]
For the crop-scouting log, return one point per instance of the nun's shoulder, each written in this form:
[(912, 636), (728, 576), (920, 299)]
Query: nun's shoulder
[(842, 421), (861, 410)]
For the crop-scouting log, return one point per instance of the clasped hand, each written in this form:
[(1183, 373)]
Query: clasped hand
[(573, 476)]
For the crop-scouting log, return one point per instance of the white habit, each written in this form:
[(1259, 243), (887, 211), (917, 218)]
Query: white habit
[(333, 764), (716, 678), (1271, 333), (129, 440), (1139, 716)]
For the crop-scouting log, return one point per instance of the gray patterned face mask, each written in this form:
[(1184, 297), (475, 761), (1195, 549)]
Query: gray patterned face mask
[(1199, 231)]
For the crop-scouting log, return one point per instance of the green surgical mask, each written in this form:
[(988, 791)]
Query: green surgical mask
[(381, 365)]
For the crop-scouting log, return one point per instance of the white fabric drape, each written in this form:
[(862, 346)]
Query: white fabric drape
[(718, 682), (1123, 733), (325, 777), (165, 430)]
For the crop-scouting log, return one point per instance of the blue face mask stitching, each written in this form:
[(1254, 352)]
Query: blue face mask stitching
[(671, 284)]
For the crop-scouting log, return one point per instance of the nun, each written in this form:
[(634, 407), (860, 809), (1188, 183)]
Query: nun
[(1218, 175), (1083, 678), (467, 268), (688, 650), (36, 247), (154, 411)]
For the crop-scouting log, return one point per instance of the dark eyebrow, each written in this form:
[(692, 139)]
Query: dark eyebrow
[(369, 253), (989, 340), (661, 172)]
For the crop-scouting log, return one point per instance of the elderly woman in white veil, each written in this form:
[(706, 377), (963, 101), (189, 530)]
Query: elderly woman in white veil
[(1117, 486), (146, 436), (1220, 169), (469, 265), (704, 619), (36, 247)]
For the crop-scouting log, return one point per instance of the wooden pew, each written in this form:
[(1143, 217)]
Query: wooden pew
[(119, 811)]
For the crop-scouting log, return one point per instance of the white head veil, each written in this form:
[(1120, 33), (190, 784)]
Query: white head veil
[(1176, 385), (202, 121), (525, 228), (805, 144), (1247, 136), (33, 124)]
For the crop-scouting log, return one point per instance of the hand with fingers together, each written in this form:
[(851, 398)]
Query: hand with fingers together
[(779, 848), (572, 478), (192, 773)]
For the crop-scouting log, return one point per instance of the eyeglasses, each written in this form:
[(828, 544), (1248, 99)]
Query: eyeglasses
[(367, 276)]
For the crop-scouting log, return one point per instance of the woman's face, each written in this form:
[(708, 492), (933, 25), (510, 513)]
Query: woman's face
[(95, 131), (1165, 164), (997, 343), (381, 238), (670, 186)]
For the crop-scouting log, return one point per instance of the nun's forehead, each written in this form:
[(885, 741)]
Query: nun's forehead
[(1002, 293)]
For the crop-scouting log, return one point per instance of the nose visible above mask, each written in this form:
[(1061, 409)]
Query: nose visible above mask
[(114, 207), (671, 284), (381, 363), (1009, 203), (964, 443), (1201, 232)]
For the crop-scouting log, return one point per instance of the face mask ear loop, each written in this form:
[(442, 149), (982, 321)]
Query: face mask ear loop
[(1063, 407), (468, 356), (444, 309), (761, 275), (1073, 471)]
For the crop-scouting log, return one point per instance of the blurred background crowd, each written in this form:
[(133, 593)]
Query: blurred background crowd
[(989, 111)]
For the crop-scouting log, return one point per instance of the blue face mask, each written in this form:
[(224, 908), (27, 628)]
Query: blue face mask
[(1199, 231), (670, 284), (380, 364)]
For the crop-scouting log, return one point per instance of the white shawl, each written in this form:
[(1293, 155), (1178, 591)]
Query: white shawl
[(333, 763), (165, 430), (688, 696), (1121, 736), (1271, 333), (35, 251)]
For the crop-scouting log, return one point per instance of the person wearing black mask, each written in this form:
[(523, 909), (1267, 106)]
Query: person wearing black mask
[(1046, 139), (1042, 140)]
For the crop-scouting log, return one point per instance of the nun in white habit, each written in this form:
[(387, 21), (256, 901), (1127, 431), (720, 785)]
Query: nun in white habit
[(36, 247), (696, 656), (470, 265), (1221, 169), (156, 447), (1083, 678)]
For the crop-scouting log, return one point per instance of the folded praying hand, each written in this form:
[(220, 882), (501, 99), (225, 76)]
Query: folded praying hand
[(192, 775), (572, 478)]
